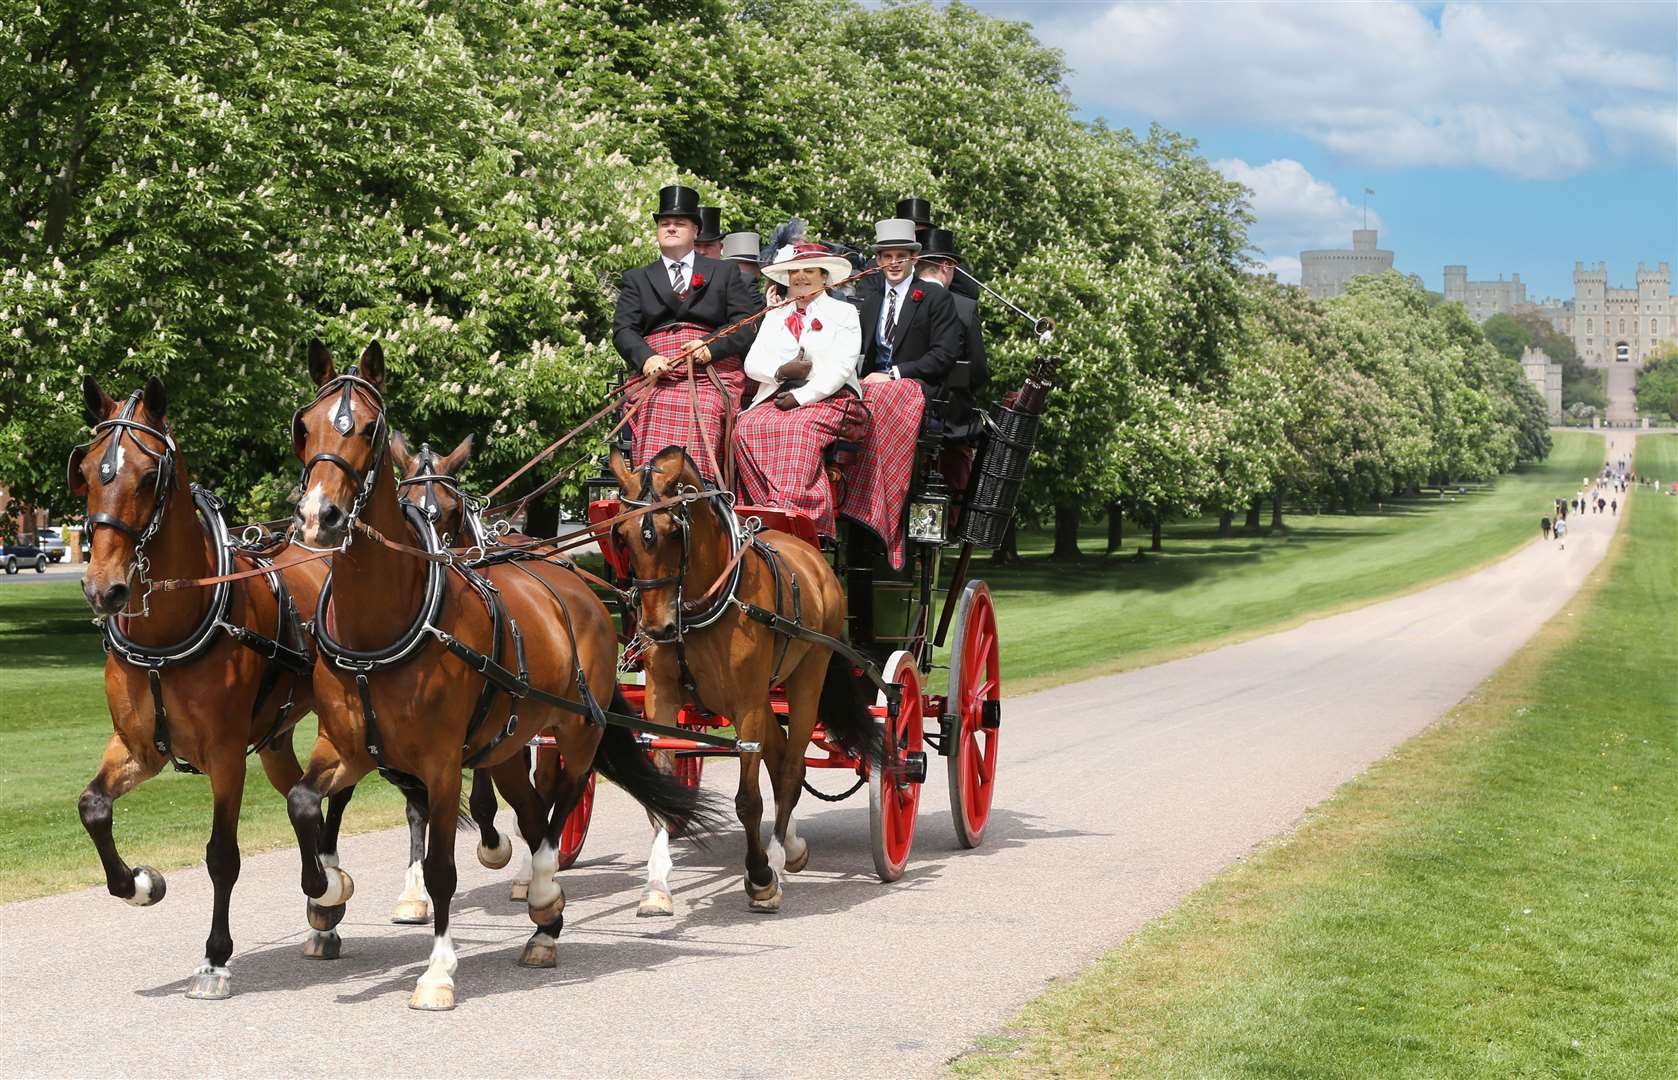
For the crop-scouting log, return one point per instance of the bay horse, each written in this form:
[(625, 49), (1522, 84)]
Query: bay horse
[(429, 667), (705, 650), (196, 678)]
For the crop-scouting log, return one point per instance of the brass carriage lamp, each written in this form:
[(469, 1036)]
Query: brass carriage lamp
[(929, 510)]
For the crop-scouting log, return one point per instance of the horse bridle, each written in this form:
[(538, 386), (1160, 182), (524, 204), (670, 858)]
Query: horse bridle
[(343, 421), (723, 503), (124, 425)]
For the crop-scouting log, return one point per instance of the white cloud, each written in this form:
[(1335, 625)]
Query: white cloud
[(1294, 211), (1533, 90)]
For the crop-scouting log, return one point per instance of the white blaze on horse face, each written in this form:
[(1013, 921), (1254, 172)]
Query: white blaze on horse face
[(309, 510), (659, 863), (544, 890)]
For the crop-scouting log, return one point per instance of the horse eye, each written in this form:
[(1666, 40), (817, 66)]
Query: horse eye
[(152, 479)]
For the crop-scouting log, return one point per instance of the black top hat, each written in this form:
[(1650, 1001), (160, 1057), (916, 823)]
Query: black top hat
[(678, 201), (710, 224), (939, 244), (917, 210)]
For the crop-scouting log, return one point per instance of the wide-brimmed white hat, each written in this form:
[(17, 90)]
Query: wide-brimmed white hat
[(799, 256)]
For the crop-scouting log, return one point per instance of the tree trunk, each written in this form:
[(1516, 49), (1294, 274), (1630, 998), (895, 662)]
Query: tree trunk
[(1115, 528), (1276, 510), (1009, 552), (1253, 523), (1226, 523), (1066, 534), (1158, 524)]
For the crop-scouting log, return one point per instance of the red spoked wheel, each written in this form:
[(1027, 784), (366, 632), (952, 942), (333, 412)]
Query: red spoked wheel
[(571, 837), (894, 790), (975, 692), (689, 769)]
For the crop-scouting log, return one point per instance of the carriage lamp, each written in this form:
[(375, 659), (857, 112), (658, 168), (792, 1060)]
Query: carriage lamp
[(929, 511), (604, 485)]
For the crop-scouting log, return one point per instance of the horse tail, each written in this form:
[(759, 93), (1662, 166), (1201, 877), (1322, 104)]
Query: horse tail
[(684, 811), (845, 713)]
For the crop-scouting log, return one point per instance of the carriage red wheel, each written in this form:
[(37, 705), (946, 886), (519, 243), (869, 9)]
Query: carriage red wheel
[(571, 837), (689, 769), (894, 790), (975, 689)]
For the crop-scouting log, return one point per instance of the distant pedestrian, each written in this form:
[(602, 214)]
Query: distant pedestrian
[(1615, 503), (1544, 525), (1561, 534)]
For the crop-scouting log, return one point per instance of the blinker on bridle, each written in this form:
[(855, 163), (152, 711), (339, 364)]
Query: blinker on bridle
[(121, 429), (343, 421)]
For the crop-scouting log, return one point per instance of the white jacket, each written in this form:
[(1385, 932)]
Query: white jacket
[(834, 351)]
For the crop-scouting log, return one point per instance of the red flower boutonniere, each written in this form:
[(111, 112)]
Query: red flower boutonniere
[(917, 295), (816, 324), (698, 281)]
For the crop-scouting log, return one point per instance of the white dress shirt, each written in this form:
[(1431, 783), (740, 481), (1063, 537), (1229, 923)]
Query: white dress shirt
[(685, 262)]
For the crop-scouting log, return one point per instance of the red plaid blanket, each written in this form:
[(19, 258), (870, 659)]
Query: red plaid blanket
[(665, 418), (877, 483), (779, 454)]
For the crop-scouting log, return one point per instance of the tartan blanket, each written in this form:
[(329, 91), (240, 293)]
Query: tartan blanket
[(779, 454), (877, 483), (663, 416)]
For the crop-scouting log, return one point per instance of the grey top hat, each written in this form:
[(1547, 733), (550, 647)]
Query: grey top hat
[(741, 246), (895, 233)]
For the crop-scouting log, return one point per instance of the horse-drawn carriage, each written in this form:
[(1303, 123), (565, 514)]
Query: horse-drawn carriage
[(423, 671)]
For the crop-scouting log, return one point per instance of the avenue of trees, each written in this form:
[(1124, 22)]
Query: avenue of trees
[(195, 188)]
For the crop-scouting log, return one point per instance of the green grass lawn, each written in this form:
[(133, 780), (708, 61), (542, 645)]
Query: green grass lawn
[(1061, 622), (1057, 622), (1495, 899)]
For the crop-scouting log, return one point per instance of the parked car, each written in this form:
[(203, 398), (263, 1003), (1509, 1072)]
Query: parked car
[(52, 542), (17, 556)]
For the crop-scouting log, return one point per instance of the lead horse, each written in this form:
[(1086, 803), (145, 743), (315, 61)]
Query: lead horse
[(436, 667), (196, 678)]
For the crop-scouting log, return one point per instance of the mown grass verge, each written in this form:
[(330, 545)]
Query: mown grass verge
[(1496, 898)]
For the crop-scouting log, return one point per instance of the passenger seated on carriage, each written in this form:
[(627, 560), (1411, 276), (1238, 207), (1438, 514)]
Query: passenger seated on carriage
[(804, 360)]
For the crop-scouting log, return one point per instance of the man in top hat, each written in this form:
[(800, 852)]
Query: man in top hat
[(742, 249), (909, 328), (920, 212), (709, 241), (665, 310), (937, 262)]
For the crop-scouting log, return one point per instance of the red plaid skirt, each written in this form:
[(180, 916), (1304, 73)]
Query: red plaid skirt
[(877, 483), (779, 454), (665, 417)]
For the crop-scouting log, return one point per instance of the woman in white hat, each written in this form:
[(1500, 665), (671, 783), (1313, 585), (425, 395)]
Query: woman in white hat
[(805, 362)]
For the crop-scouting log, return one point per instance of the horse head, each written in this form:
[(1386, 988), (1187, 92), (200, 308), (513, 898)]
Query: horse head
[(658, 544), (127, 473), (428, 481), (344, 427)]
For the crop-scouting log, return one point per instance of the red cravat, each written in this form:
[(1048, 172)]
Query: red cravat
[(795, 323)]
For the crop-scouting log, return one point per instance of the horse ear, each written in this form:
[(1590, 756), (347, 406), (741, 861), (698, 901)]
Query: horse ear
[(320, 363), (458, 456), (373, 364), (156, 399), (399, 450), (96, 404), (73, 473), (619, 464)]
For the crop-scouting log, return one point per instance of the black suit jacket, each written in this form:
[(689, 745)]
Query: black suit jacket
[(646, 302), (927, 339)]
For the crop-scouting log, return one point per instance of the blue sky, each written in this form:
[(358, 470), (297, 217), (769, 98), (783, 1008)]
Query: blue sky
[(1512, 137)]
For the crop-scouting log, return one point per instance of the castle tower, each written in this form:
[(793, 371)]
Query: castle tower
[(1456, 284)]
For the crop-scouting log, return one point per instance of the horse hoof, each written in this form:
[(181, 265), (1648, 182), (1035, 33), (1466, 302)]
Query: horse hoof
[(325, 918), (795, 864), (209, 984), (764, 898), (411, 913), (540, 952), (432, 997), (496, 857), (546, 915), (339, 887), (655, 904), (322, 945), (520, 892), (149, 887)]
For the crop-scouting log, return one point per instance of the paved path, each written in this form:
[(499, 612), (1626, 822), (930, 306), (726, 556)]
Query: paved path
[(1117, 797)]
